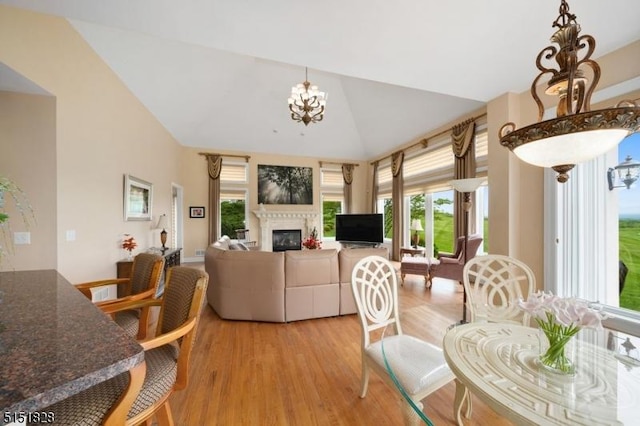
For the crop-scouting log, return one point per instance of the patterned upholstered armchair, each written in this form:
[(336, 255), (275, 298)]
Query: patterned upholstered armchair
[(166, 356), (451, 264), (146, 273)]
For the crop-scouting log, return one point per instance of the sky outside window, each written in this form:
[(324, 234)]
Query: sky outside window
[(630, 198)]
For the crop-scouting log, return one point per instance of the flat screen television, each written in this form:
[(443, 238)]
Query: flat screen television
[(359, 228)]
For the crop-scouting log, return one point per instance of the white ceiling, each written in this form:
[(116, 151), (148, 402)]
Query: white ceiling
[(217, 73)]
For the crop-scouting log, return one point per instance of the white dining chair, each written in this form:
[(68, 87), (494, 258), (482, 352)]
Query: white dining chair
[(494, 284), (418, 367)]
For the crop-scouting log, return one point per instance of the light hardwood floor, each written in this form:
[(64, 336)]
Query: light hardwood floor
[(308, 372)]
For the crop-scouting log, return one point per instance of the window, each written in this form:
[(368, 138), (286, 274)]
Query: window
[(331, 206), (385, 206), (629, 230), (442, 221), (233, 198), (332, 198), (232, 212), (429, 197)]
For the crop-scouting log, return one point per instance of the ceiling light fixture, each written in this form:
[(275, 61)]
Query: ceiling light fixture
[(577, 134), (628, 173), (306, 102)]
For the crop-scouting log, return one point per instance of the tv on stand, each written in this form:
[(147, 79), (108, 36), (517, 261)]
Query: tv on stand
[(356, 230)]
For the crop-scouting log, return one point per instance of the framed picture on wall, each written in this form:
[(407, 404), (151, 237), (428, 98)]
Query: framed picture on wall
[(196, 212), (285, 185), (138, 198)]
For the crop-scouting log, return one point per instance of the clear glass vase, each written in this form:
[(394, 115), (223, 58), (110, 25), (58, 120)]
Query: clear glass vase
[(558, 351)]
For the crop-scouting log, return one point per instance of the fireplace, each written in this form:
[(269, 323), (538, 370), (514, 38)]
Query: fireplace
[(286, 239), (271, 220)]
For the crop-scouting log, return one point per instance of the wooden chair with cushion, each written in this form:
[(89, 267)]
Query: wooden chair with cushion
[(418, 366), (166, 356), (146, 273), (494, 284)]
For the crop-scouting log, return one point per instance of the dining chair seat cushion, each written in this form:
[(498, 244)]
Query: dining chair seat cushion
[(129, 321), (415, 363), (90, 406)]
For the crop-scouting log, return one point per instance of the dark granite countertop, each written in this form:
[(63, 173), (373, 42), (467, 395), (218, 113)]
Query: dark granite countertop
[(54, 342)]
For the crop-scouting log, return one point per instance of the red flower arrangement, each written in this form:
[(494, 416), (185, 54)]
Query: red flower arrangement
[(129, 243), (312, 241)]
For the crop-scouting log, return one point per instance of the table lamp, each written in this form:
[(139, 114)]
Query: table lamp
[(416, 226), (466, 186), (162, 224)]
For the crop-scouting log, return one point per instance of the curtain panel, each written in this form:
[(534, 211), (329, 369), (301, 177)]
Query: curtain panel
[(214, 163), (347, 175), (462, 143), (374, 187), (397, 196)]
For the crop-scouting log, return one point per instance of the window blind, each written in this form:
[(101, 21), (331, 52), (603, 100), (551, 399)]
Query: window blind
[(233, 172)]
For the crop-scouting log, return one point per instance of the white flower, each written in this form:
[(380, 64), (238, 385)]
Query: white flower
[(567, 312)]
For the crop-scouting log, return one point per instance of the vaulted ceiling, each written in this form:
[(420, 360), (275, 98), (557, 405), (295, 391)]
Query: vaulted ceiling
[(217, 73)]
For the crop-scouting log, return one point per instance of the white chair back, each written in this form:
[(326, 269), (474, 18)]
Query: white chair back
[(374, 284), (494, 284)]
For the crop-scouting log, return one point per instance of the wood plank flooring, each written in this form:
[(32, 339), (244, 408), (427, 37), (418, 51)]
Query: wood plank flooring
[(308, 372)]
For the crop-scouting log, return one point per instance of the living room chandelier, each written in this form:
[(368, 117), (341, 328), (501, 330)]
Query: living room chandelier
[(306, 102), (577, 134)]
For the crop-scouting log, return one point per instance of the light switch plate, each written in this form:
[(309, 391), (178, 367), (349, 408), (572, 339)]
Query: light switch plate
[(22, 238)]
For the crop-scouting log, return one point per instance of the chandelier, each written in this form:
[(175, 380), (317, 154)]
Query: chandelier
[(577, 134), (306, 102)]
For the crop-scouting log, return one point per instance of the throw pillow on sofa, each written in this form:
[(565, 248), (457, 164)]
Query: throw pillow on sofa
[(238, 246)]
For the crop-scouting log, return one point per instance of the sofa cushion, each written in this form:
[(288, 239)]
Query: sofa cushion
[(311, 267), (246, 285)]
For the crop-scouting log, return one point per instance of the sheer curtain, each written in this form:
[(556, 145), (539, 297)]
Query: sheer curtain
[(581, 233)]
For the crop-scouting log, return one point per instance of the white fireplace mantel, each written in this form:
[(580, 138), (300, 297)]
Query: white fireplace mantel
[(270, 220)]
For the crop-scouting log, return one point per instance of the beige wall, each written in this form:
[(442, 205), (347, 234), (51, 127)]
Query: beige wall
[(28, 147), (102, 132), (195, 178)]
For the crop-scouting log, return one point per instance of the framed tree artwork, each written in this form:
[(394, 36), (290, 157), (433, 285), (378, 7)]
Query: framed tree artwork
[(285, 185)]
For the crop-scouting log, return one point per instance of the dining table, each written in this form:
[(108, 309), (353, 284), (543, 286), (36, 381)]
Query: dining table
[(54, 343), (499, 364)]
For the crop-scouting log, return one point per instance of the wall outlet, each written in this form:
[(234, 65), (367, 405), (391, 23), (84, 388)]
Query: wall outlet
[(22, 238), (71, 235), (200, 252)]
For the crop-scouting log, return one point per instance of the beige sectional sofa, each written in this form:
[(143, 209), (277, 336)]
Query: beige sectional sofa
[(283, 286)]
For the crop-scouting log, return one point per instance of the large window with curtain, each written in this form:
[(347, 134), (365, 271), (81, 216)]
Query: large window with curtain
[(233, 198), (585, 240), (429, 196), (332, 198)]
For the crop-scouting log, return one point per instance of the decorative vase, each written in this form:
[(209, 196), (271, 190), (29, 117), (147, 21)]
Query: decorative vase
[(558, 357)]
